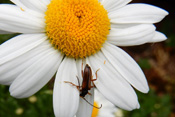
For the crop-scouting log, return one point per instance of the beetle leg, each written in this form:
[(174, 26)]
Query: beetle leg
[(70, 83), (89, 93), (78, 87), (93, 83), (94, 79), (95, 75)]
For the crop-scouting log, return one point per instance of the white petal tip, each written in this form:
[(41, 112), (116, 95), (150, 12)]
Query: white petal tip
[(165, 12), (138, 106), (15, 94), (145, 89), (158, 37)]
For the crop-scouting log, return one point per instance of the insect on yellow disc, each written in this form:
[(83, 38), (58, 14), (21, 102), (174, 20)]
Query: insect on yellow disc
[(78, 28)]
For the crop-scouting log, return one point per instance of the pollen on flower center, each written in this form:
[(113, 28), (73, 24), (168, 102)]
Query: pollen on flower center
[(78, 28)]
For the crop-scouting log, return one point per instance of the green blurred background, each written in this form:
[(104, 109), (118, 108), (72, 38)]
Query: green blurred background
[(157, 61)]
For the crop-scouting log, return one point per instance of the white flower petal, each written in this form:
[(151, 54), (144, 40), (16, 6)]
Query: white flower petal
[(137, 13), (133, 35), (158, 37), (36, 5), (112, 85), (46, 2), (111, 5), (108, 109), (37, 75), (124, 26), (13, 19), (130, 32), (20, 28), (19, 45), (126, 66), (79, 68), (66, 96), (85, 109), (10, 70)]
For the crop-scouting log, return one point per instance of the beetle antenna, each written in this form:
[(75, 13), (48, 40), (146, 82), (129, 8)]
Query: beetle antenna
[(91, 104)]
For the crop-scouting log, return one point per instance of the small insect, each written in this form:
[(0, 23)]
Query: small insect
[(86, 84)]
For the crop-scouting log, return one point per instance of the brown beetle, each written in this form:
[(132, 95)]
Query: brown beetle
[(86, 84)]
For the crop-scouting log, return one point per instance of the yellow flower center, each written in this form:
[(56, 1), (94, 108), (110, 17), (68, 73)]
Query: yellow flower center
[(95, 110), (78, 28)]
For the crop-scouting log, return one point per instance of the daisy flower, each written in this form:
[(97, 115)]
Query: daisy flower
[(55, 35), (108, 109)]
